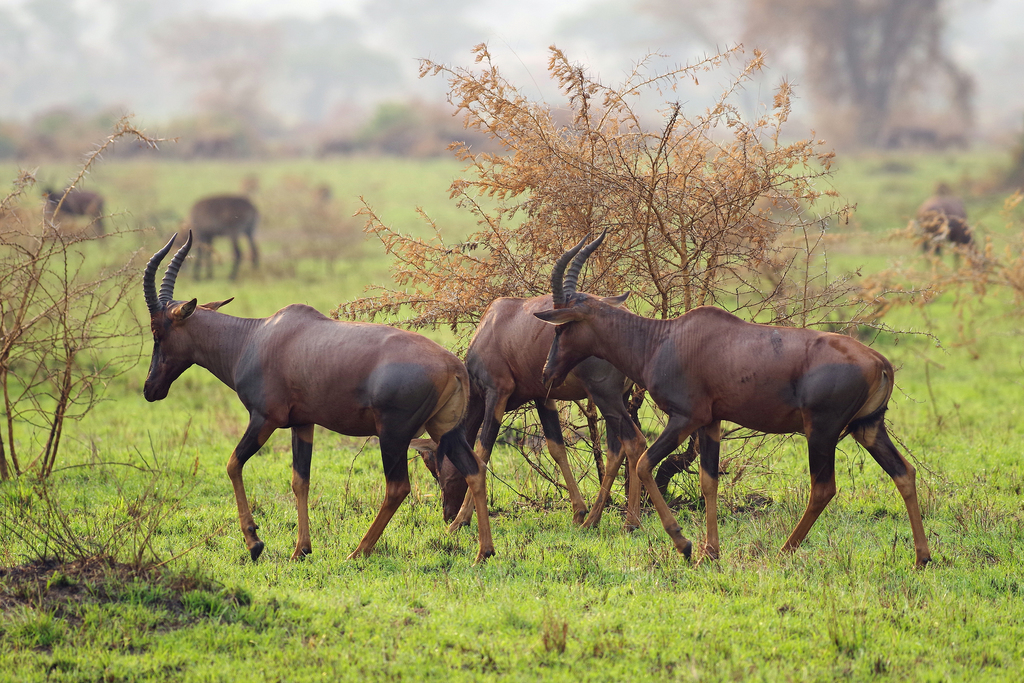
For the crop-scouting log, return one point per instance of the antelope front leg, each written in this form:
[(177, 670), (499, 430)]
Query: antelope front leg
[(675, 433), (611, 470), (478, 488), (634, 451), (548, 415), (493, 412), (302, 455), (256, 434)]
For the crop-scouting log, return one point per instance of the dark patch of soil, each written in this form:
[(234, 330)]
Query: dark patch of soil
[(62, 589)]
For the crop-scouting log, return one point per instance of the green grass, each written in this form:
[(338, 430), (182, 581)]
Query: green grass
[(556, 602)]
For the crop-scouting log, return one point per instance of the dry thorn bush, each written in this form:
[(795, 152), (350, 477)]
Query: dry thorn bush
[(712, 208), (64, 327)]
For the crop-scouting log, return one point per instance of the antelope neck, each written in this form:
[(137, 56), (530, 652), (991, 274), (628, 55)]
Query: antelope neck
[(628, 341), (219, 341)]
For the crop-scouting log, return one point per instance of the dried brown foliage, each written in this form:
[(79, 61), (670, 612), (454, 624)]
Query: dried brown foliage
[(62, 323), (706, 208)]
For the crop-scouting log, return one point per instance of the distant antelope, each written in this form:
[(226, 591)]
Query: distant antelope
[(228, 216), (505, 361), (298, 368), (75, 202), (708, 365), (942, 218)]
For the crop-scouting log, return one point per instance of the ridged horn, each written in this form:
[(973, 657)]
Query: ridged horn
[(557, 294), (171, 274), (149, 277), (577, 263)]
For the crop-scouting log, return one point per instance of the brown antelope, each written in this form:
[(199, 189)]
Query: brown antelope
[(298, 368), (505, 361), (708, 365), (75, 202), (942, 218), (223, 215)]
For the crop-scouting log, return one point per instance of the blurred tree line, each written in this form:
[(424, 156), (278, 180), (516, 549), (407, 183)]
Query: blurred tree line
[(879, 73), (227, 86)]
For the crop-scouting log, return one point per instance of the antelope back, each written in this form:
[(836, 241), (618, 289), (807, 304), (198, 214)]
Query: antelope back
[(223, 215)]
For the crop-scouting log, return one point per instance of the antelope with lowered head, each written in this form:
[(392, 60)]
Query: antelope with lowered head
[(298, 368), (223, 216), (505, 361), (708, 365), (75, 202)]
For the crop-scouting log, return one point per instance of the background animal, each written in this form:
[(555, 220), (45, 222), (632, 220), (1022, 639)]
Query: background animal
[(708, 365), (942, 218), (75, 202), (298, 368), (230, 216)]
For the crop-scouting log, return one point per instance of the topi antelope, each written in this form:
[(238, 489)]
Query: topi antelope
[(942, 218), (708, 365), (227, 216), (75, 202), (505, 361), (298, 368)]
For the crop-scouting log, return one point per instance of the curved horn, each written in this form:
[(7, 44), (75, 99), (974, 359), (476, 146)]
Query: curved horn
[(167, 285), (149, 277), (577, 263), (556, 273)]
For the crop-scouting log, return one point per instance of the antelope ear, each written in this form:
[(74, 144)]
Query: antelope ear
[(559, 316), (214, 305), (616, 301), (182, 311)]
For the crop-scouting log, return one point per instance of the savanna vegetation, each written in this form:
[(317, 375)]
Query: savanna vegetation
[(123, 561)]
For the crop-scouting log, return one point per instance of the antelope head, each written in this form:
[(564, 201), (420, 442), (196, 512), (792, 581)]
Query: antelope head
[(574, 314), (172, 353)]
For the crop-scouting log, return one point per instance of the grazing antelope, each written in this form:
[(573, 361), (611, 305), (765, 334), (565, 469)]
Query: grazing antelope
[(228, 216), (75, 202), (708, 365), (505, 361), (942, 218), (298, 368)]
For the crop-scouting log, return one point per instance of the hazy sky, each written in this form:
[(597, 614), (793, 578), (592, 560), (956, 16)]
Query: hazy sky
[(986, 37)]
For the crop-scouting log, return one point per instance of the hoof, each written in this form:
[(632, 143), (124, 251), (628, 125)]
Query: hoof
[(356, 554), (686, 549), (456, 525), (579, 517), (482, 556), (630, 527), (256, 550), (300, 553), (922, 563), (709, 553)]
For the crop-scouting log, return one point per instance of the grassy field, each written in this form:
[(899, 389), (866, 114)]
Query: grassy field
[(556, 603)]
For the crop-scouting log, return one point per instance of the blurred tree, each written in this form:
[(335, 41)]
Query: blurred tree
[(879, 71), (873, 66)]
